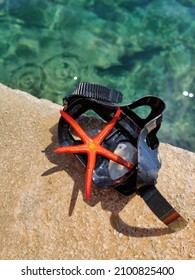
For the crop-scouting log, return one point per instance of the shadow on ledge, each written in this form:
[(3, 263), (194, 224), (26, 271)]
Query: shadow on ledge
[(70, 164)]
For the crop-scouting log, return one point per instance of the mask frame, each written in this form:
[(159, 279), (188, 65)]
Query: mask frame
[(130, 128)]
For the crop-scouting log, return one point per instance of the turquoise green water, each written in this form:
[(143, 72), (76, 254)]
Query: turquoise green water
[(139, 47)]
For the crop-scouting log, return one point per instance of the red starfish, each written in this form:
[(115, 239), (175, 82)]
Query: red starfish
[(92, 147)]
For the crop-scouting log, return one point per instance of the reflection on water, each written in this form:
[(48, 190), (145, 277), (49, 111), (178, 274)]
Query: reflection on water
[(143, 47)]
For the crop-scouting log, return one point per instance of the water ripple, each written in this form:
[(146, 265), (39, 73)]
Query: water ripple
[(28, 76)]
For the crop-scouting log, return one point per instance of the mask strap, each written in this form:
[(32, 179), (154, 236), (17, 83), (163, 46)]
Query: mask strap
[(161, 208), (98, 92)]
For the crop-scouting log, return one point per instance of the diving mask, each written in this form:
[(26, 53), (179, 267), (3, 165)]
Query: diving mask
[(124, 154)]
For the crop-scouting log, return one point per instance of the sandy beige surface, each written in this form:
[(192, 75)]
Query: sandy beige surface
[(43, 212)]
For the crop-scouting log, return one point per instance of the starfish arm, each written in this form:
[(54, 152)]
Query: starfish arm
[(89, 173), (81, 133), (110, 155), (72, 149), (106, 130)]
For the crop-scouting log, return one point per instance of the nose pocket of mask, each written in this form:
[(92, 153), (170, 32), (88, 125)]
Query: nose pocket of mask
[(129, 153)]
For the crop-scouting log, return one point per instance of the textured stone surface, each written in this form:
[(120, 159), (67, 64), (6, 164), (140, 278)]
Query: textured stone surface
[(43, 212)]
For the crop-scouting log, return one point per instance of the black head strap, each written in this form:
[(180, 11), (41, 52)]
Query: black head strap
[(98, 92), (161, 208)]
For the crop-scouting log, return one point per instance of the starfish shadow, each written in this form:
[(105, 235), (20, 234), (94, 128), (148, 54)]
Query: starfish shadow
[(115, 203)]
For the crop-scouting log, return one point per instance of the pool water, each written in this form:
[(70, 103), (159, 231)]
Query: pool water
[(139, 47)]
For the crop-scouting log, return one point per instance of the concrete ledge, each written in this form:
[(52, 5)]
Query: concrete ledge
[(43, 212)]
